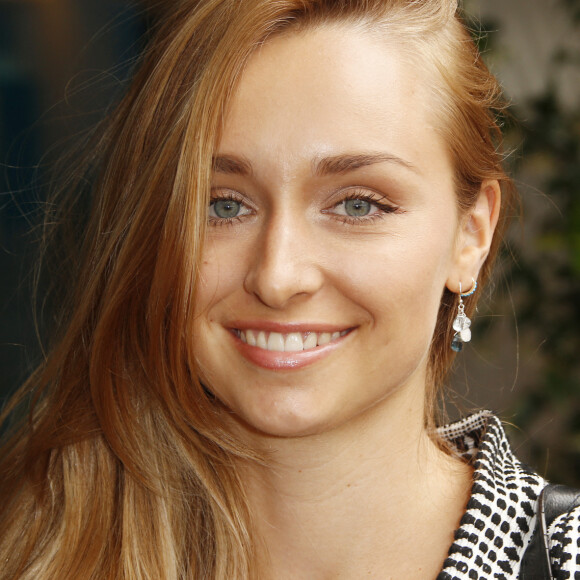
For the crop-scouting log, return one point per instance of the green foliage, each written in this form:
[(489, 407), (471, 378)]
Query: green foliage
[(542, 272), (546, 277)]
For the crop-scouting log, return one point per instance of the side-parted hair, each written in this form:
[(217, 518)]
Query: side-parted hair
[(123, 468)]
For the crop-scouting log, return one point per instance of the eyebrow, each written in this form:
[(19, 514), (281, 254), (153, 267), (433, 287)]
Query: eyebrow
[(332, 165), (231, 165), (344, 163)]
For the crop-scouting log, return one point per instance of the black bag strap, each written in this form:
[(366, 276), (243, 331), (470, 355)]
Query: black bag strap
[(554, 501)]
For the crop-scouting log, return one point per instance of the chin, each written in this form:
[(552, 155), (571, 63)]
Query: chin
[(282, 423)]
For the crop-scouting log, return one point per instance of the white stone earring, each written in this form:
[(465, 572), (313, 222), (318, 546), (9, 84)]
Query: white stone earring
[(462, 323)]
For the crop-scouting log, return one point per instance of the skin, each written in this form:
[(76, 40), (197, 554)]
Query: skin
[(344, 427)]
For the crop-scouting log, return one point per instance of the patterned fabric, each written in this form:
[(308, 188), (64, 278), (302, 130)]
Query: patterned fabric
[(565, 546), (501, 514)]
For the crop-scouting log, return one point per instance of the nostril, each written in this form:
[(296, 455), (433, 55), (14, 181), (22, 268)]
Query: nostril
[(276, 289), (277, 276)]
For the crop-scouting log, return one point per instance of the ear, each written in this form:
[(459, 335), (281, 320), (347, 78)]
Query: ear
[(474, 237)]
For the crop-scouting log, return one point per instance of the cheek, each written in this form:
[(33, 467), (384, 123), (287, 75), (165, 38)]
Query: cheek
[(410, 268), (399, 285), (222, 272)]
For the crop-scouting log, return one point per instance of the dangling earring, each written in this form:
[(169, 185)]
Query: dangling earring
[(462, 323)]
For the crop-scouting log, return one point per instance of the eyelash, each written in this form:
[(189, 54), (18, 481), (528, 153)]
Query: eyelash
[(230, 196), (384, 209)]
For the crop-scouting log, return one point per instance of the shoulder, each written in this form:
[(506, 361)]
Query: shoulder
[(500, 517)]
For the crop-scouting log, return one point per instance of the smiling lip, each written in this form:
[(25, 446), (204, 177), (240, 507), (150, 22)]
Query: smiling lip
[(282, 347)]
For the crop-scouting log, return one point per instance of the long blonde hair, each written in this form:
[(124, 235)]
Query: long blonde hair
[(123, 468)]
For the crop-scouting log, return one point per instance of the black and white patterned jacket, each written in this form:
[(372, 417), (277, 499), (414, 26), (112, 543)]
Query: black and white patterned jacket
[(501, 514)]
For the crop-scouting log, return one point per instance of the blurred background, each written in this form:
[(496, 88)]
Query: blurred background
[(63, 61)]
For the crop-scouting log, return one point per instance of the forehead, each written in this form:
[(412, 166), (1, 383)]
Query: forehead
[(331, 64), (330, 89)]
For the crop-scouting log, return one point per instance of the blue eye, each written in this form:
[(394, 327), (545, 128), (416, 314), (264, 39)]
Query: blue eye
[(357, 207), (361, 208), (225, 208)]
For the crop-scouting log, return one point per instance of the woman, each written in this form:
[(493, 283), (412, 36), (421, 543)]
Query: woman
[(295, 208)]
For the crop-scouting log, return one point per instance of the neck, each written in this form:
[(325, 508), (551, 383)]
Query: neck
[(357, 500)]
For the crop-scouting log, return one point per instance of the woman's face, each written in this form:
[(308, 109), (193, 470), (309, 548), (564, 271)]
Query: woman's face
[(333, 231)]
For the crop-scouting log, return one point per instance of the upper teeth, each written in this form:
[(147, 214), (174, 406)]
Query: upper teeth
[(292, 342)]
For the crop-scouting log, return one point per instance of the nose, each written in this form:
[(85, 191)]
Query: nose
[(285, 266)]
